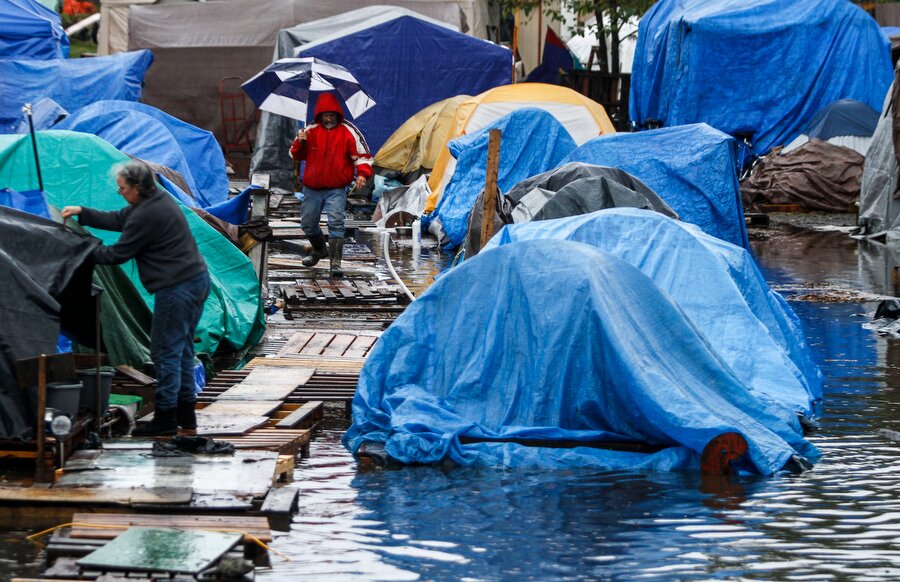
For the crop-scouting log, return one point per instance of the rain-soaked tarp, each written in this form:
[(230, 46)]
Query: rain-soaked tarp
[(693, 168), (719, 288), (77, 170), (45, 279), (879, 211), (147, 133), (532, 142), (570, 190), (569, 353), (29, 30), (73, 83), (762, 68)]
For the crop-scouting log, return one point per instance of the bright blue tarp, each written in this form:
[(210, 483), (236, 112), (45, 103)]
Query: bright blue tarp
[(522, 155), (32, 201), (693, 168), (73, 83), (763, 67), (29, 30), (45, 113), (145, 132), (590, 349), (716, 284), (407, 63)]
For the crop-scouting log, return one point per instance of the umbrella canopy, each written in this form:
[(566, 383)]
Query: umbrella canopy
[(284, 87)]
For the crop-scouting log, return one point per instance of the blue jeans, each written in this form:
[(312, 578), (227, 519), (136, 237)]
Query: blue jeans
[(332, 202), (176, 313)]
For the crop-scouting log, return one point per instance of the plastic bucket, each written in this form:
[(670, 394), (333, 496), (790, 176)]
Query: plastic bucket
[(64, 397), (88, 380)]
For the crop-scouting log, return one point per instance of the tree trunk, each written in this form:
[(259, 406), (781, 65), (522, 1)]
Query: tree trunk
[(614, 42), (601, 41)]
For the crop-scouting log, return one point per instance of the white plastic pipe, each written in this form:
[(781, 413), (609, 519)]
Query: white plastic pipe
[(385, 243)]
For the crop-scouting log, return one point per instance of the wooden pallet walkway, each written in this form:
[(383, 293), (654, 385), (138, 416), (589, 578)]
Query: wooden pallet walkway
[(323, 292)]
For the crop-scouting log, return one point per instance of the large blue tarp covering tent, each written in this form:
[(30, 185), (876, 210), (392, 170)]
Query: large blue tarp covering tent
[(29, 30), (693, 168), (761, 68), (522, 155), (396, 62), (716, 284), (590, 350), (72, 83), (145, 132)]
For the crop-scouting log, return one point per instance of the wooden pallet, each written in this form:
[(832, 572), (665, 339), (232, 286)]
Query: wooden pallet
[(91, 525), (283, 441), (304, 293), (331, 343)]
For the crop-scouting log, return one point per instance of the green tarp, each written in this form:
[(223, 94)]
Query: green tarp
[(78, 169)]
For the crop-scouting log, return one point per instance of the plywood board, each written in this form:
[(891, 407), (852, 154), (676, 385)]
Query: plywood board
[(92, 495), (240, 407), (228, 424)]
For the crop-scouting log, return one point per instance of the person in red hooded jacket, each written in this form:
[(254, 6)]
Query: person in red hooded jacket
[(336, 157)]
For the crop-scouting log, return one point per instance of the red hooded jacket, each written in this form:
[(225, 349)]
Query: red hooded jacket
[(333, 156)]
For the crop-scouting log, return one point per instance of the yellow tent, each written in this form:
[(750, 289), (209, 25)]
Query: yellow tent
[(417, 142), (583, 118)]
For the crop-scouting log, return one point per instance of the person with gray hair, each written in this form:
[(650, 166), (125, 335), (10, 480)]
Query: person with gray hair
[(156, 235)]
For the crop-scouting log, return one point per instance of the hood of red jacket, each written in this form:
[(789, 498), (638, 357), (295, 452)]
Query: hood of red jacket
[(328, 102)]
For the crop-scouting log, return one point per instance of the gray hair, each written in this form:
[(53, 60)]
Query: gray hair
[(138, 174)]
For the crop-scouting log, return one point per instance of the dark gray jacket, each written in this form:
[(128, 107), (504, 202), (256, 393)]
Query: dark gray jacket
[(155, 234)]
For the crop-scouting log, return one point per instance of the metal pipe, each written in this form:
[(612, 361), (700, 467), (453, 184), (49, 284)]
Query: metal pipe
[(26, 109)]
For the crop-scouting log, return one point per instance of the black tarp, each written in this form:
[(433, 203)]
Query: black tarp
[(45, 287)]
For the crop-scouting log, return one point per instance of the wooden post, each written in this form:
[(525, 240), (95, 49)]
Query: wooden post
[(39, 473), (490, 188), (259, 206)]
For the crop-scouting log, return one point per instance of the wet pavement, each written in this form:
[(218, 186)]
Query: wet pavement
[(839, 521)]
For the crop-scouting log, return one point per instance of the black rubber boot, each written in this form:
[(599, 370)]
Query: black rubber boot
[(319, 250), (335, 253), (186, 415), (163, 424)]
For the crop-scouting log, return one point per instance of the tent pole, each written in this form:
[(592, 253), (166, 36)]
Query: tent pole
[(26, 109)]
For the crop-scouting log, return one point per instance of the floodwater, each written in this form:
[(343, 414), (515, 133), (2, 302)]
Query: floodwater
[(839, 521)]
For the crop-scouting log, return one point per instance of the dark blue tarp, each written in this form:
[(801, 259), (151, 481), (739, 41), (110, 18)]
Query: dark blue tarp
[(760, 67), (31, 201), (716, 284), (533, 141), (30, 30), (844, 117), (233, 211), (407, 63), (693, 168), (590, 349), (73, 83), (145, 132)]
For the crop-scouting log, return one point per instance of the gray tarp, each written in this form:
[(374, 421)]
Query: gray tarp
[(879, 211), (196, 44), (570, 190)]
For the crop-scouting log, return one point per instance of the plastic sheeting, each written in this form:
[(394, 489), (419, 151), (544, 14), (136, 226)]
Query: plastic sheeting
[(395, 57), (29, 30), (77, 170), (532, 141), (693, 169), (569, 353), (785, 62), (719, 288), (146, 132), (879, 212), (73, 83), (44, 114), (45, 274), (31, 201)]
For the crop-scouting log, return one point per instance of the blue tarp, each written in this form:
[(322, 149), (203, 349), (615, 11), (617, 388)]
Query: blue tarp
[(45, 113), (29, 30), (716, 284), (844, 117), (590, 349), (396, 63), (693, 169), (234, 211), (146, 132), (31, 201), (760, 67), (73, 83), (533, 142)]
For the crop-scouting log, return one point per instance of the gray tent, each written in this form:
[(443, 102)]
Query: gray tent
[(879, 210)]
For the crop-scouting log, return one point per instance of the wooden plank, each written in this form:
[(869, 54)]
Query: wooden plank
[(132, 374), (107, 526), (240, 407), (100, 496), (318, 343), (297, 342), (227, 424), (280, 500), (363, 289), (302, 417), (273, 391), (490, 187), (338, 345), (360, 346)]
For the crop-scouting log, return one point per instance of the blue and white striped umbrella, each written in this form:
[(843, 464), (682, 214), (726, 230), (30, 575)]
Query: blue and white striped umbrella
[(284, 87)]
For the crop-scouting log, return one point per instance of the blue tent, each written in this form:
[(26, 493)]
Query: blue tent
[(757, 67), (693, 168), (72, 83), (588, 350), (407, 63), (29, 30), (146, 132), (747, 324), (521, 156), (844, 117)]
